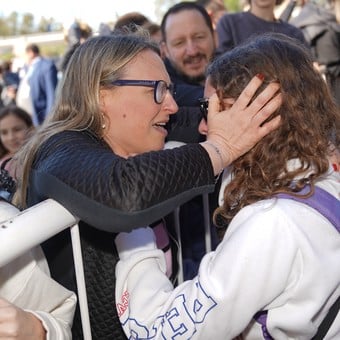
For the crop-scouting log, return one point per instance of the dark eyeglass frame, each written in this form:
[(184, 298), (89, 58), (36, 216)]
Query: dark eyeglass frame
[(204, 105), (148, 83)]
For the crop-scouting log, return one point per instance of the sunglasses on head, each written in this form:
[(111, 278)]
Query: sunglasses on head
[(204, 104)]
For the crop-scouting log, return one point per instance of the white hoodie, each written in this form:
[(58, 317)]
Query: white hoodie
[(277, 255)]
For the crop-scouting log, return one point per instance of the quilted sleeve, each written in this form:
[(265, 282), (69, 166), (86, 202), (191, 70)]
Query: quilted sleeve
[(112, 193)]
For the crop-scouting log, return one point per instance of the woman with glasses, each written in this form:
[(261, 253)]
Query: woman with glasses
[(98, 154), (276, 273)]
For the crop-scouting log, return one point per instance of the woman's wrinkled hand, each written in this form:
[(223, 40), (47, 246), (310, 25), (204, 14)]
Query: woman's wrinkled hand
[(237, 129), (15, 323)]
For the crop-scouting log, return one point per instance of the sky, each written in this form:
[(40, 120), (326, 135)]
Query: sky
[(66, 11)]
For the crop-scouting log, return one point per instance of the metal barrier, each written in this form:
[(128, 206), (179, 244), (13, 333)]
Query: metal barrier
[(46, 219), (35, 225)]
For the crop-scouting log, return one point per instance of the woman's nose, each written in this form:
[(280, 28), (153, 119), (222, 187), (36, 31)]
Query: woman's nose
[(171, 103)]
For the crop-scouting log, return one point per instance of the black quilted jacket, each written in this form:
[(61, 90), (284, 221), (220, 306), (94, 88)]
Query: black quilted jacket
[(109, 194)]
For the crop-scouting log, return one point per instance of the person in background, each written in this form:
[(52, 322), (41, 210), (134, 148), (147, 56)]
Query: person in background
[(188, 46), (277, 255), (9, 82), (100, 155), (8, 76), (155, 32), (77, 33), (132, 20), (32, 305), (234, 28), (105, 28), (215, 8), (36, 92), (15, 127), (322, 33)]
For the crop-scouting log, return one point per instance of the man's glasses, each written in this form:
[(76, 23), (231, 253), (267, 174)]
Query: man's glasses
[(204, 104), (159, 87)]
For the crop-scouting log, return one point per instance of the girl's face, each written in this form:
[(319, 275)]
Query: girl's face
[(225, 104), (13, 133)]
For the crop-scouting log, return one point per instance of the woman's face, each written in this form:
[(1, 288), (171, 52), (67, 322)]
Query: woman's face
[(13, 133), (134, 122)]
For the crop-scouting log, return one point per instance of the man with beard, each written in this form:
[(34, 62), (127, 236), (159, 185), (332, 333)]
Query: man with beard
[(188, 46)]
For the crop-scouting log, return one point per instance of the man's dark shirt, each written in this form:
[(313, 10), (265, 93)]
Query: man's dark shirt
[(183, 126)]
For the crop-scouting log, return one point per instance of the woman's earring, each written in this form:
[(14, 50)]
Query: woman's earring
[(103, 125)]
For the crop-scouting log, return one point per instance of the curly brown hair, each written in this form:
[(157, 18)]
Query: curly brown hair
[(309, 121)]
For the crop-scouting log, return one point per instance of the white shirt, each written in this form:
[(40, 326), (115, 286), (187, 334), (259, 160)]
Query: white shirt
[(23, 97), (277, 255)]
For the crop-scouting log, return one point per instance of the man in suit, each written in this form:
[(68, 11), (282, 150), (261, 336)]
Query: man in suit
[(38, 86)]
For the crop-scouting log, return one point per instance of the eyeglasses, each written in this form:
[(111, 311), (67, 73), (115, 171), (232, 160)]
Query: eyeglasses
[(204, 104), (159, 87)]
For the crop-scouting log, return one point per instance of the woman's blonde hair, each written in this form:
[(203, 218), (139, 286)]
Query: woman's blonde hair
[(94, 65)]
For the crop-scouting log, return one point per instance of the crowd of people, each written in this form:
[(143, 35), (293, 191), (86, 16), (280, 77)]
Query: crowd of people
[(234, 106)]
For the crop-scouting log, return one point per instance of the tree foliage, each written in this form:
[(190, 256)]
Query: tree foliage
[(27, 24), (162, 6), (233, 5), (18, 24)]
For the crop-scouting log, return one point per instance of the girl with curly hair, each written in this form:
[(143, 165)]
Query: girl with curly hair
[(277, 255)]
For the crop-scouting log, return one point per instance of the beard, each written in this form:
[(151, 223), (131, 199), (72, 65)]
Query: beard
[(193, 80), (196, 80)]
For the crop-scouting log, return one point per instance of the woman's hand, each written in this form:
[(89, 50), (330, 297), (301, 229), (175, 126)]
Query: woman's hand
[(236, 130), (15, 323)]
